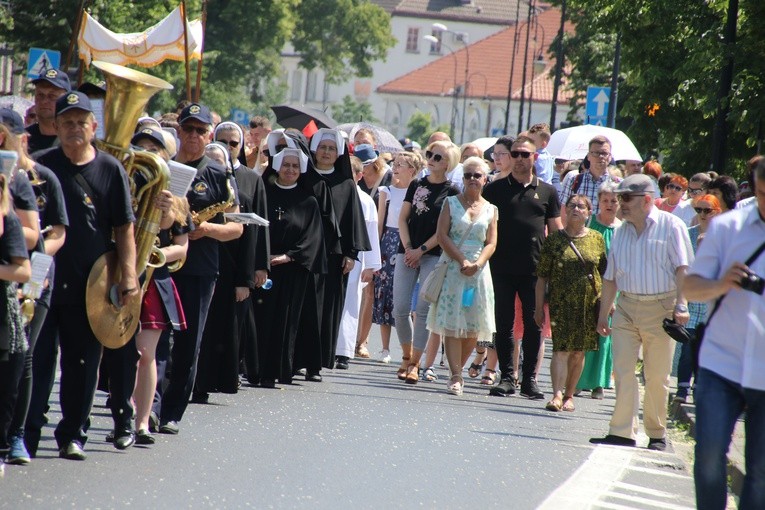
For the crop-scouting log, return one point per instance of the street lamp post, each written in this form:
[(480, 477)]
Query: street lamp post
[(464, 39), (537, 67), (435, 40), (485, 98)]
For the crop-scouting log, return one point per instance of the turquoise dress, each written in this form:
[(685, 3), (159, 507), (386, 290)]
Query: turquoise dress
[(599, 364), (454, 314)]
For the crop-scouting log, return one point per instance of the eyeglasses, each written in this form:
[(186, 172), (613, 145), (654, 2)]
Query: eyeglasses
[(581, 207), (467, 176), (695, 191), (703, 210), (436, 157), (230, 143), (520, 154), (674, 187), (496, 155), (600, 154), (626, 197), (187, 128)]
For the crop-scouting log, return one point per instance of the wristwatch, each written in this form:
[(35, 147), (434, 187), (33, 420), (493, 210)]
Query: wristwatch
[(681, 308), (424, 248)]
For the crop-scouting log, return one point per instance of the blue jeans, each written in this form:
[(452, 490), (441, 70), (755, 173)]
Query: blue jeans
[(719, 402)]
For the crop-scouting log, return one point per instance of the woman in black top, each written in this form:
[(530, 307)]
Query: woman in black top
[(419, 252)]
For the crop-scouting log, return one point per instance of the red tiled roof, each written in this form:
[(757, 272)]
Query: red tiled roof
[(490, 62)]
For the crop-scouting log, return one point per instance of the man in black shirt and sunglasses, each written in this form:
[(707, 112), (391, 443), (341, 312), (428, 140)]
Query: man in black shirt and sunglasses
[(526, 206)]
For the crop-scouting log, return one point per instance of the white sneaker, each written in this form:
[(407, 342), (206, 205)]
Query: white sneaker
[(384, 356)]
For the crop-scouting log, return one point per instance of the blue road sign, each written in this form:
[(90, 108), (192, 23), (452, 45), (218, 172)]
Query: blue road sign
[(597, 105), (40, 60), (239, 116)]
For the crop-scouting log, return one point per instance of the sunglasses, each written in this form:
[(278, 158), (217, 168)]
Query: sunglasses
[(201, 131), (230, 143), (581, 207), (467, 176), (703, 210), (520, 154), (674, 187), (695, 191), (628, 197), (434, 156)]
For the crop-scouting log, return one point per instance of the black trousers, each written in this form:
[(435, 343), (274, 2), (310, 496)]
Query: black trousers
[(196, 293), (44, 357), (505, 289), (332, 287)]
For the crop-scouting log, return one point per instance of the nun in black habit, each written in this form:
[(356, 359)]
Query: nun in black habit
[(333, 167), (243, 266), (297, 247)]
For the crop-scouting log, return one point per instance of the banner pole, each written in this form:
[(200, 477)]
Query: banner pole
[(186, 48), (75, 34), (198, 91)]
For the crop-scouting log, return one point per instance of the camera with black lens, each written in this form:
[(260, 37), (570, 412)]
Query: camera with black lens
[(752, 283)]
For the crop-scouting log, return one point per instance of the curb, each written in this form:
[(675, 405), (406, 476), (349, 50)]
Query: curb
[(686, 413)]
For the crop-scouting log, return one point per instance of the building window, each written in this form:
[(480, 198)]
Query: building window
[(297, 85), (310, 93), (435, 48), (413, 40)]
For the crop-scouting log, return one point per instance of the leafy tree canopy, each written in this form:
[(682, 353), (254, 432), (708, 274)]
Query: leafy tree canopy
[(420, 127), (351, 111)]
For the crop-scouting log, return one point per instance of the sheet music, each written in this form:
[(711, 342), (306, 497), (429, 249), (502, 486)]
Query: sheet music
[(181, 177), (40, 266), (246, 218), (98, 110)]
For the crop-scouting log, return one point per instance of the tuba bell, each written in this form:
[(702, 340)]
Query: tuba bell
[(127, 94)]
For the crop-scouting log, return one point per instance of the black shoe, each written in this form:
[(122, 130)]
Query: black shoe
[(153, 422), (72, 451), (530, 389), (505, 388), (143, 437), (660, 445), (613, 440), (171, 427), (109, 437), (124, 440), (341, 362), (285, 380), (313, 377), (200, 397), (267, 383)]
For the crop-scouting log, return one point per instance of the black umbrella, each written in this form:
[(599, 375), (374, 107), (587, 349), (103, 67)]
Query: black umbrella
[(298, 117)]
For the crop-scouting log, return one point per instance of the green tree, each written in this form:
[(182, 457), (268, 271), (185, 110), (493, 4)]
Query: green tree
[(672, 53), (351, 111), (420, 127)]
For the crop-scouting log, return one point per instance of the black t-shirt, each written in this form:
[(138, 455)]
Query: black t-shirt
[(52, 208), (523, 214), (209, 187), (39, 141), (426, 200), (12, 243), (91, 218), (22, 192)]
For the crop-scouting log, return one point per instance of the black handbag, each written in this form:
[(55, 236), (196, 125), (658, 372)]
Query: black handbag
[(701, 327)]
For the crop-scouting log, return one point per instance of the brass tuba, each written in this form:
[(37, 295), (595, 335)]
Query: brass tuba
[(127, 93)]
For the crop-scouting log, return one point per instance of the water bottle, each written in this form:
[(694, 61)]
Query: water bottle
[(268, 284), (467, 296)]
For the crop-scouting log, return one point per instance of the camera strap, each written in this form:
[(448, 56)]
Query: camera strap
[(750, 260)]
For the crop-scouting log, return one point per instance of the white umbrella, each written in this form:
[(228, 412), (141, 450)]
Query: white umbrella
[(485, 143), (386, 142), (573, 143)]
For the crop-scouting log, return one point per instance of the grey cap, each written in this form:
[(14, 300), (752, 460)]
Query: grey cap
[(637, 184)]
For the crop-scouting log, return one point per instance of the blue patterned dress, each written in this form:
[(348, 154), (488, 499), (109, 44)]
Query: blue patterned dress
[(449, 317)]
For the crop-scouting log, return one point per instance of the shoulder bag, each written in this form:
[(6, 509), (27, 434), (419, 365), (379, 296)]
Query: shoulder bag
[(701, 327), (590, 276), (430, 289)]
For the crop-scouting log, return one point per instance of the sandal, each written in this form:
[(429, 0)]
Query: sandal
[(430, 374), (401, 373), (412, 373), (455, 385), (475, 368), (489, 378), (568, 404), (554, 405), (362, 352)]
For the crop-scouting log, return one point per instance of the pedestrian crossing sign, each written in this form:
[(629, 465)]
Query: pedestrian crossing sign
[(41, 60)]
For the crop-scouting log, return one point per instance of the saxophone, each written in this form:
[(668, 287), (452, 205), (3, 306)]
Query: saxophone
[(206, 214)]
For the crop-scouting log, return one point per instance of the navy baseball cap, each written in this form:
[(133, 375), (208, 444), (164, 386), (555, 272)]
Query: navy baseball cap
[(72, 101), (149, 134), (197, 112), (55, 77), (12, 121)]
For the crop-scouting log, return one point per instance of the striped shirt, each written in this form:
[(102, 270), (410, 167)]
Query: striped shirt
[(588, 186), (646, 264)]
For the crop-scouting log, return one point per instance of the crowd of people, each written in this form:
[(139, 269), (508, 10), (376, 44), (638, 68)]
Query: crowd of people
[(452, 247)]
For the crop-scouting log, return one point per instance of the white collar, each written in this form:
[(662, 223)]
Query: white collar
[(324, 172), (286, 187)]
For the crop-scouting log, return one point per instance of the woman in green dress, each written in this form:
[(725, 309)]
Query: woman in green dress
[(572, 297), (599, 364)]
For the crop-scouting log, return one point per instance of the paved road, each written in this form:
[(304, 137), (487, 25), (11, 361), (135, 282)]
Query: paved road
[(360, 439)]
